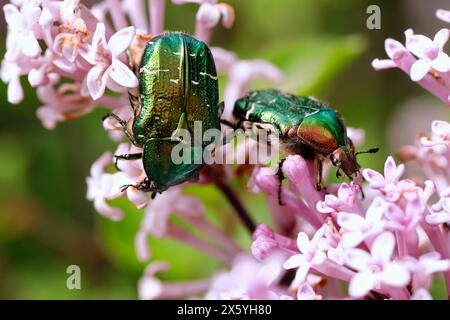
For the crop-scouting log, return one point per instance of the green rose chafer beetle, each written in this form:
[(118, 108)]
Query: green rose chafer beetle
[(177, 86), (304, 126)]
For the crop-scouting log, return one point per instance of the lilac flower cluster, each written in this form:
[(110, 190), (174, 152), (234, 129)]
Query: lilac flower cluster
[(387, 245)]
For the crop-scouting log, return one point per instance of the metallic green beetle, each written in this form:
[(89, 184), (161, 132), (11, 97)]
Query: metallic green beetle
[(304, 126), (177, 86)]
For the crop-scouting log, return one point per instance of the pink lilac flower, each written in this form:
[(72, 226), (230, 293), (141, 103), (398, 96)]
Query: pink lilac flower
[(430, 53), (433, 155), (10, 74), (306, 292), (101, 189), (248, 279), (400, 57), (346, 199), (208, 16), (103, 186), (356, 228), (423, 268), (108, 70), (22, 26), (310, 254), (156, 223), (392, 174), (441, 134), (376, 268), (440, 211), (150, 287)]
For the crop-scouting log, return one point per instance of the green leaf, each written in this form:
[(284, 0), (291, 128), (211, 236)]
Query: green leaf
[(310, 64)]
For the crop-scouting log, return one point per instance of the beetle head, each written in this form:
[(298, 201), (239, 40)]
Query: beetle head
[(345, 158)]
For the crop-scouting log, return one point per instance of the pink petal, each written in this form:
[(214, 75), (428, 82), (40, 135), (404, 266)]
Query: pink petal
[(49, 116), (395, 275), (141, 244), (441, 128), (441, 38), (65, 65), (294, 261), (303, 243), (351, 239), (305, 292), (15, 91), (36, 77), (392, 172), (269, 273), (383, 247), (30, 46), (99, 39), (224, 59), (69, 52), (419, 45), (31, 15), (382, 64), (319, 258), (362, 283), (357, 259), (375, 211), (149, 288), (345, 192), (421, 294), (419, 69), (13, 17), (208, 15), (394, 213), (227, 12), (443, 15), (350, 221), (98, 167), (438, 218), (441, 63), (96, 82), (356, 135), (106, 210), (120, 41), (375, 179), (394, 49), (122, 75), (137, 197), (88, 52), (302, 273)]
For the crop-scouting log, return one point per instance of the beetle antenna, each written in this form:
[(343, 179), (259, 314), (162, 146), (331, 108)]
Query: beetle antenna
[(370, 150)]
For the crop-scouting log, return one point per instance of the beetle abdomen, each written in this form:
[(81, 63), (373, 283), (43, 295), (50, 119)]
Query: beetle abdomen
[(177, 75)]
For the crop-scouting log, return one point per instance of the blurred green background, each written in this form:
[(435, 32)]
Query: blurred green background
[(324, 49)]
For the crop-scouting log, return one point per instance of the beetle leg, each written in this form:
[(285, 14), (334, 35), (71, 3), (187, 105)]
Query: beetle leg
[(127, 156), (319, 185), (143, 186), (123, 124), (281, 177), (228, 123)]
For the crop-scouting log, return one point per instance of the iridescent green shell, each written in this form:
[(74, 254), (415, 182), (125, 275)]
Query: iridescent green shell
[(178, 85), (297, 119)]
